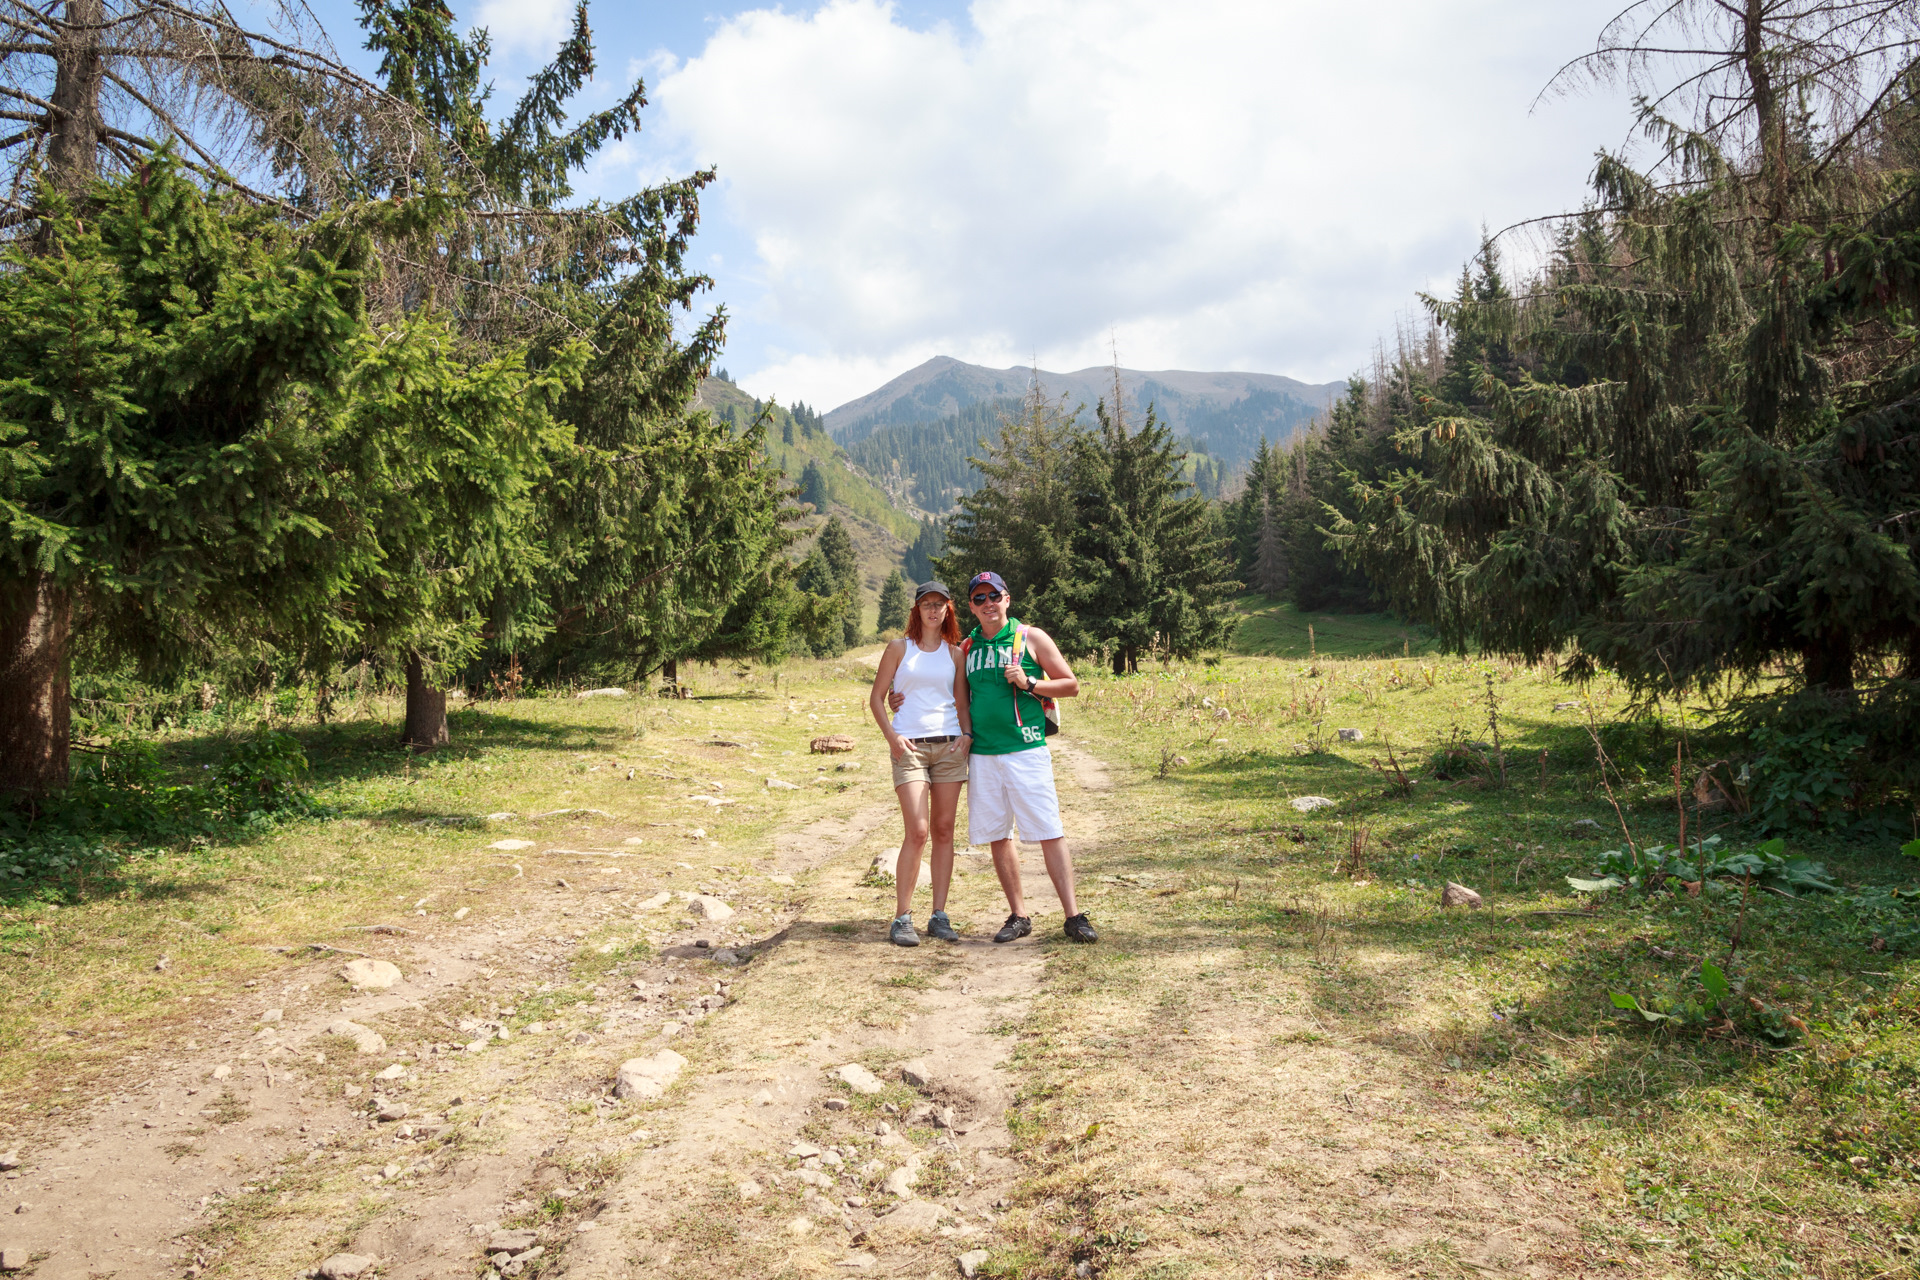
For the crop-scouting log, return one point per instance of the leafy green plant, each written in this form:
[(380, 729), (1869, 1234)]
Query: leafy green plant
[(1803, 772), (1767, 866), (1714, 998)]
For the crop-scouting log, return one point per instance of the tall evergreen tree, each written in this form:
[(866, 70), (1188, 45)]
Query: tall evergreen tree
[(1147, 573), (928, 543), (813, 486), (895, 600), (1270, 559)]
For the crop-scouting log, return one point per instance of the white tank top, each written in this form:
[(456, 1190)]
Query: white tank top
[(927, 681)]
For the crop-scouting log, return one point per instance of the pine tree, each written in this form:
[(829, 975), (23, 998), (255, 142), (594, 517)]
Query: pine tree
[(927, 544), (1270, 561), (813, 486), (837, 546), (895, 600), (1147, 572), (1020, 521), (816, 578), (169, 365)]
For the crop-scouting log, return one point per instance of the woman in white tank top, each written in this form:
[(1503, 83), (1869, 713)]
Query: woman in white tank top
[(929, 737)]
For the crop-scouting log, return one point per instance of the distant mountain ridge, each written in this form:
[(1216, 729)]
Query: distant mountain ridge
[(1226, 412)]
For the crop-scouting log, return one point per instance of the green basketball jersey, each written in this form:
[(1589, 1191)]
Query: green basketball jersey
[(995, 730)]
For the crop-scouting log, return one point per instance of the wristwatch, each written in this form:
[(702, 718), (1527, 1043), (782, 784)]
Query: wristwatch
[(1031, 682)]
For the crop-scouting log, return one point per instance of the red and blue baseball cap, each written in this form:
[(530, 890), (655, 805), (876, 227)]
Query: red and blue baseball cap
[(993, 580)]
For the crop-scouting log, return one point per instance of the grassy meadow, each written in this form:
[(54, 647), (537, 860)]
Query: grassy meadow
[(1280, 1016)]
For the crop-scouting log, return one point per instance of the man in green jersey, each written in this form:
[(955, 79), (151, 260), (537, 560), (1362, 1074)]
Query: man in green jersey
[(1010, 668)]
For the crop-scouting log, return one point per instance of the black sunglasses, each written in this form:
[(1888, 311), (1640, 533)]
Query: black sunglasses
[(986, 596)]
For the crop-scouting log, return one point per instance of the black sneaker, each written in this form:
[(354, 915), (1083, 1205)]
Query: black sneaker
[(902, 934), (1015, 927), (1080, 929), (938, 926)]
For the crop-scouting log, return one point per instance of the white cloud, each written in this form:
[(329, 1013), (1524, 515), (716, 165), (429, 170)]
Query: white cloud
[(1219, 185), (525, 25)]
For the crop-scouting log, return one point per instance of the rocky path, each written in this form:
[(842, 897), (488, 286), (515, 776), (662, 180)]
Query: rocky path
[(826, 1103)]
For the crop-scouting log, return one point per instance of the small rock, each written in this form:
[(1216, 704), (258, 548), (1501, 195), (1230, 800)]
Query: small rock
[(601, 693), (461, 914), (394, 1072), (391, 1171), (1350, 735), (364, 1039), (13, 1259), (781, 784), (1458, 895), (697, 833), (942, 1117), (351, 1090), (764, 1098), (371, 975), (725, 955), (919, 1112), (847, 766), (706, 907), (915, 1217), (391, 1111), (654, 903), (781, 880), (510, 845), (971, 1261), (273, 1015), (10, 1161), (511, 1242), (221, 1072), (1307, 804), (23, 1207), (917, 1073), (500, 817), (648, 1077), (900, 1182), (1584, 828), (804, 1151), (858, 1078), (836, 1104), (830, 744), (1566, 706), (346, 1266), (475, 1046)]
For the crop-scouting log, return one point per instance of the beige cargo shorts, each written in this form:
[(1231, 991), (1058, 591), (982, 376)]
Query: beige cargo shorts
[(929, 762)]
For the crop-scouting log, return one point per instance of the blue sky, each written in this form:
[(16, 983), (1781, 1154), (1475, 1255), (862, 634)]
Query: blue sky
[(1203, 185)]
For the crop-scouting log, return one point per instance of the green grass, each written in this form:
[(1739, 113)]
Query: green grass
[(1780, 1140), (1279, 630)]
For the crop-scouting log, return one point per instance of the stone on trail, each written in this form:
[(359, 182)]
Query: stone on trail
[(707, 907), (346, 1266), (1350, 735), (648, 1077), (830, 744), (10, 1161), (917, 1073), (221, 1072), (510, 845), (364, 1039), (835, 1104), (1585, 828), (273, 1015), (390, 1111), (858, 1078), (912, 1218), (12, 1259), (847, 766), (395, 1072), (1307, 804), (512, 1241), (371, 975), (781, 880), (899, 1183), (971, 1261), (654, 903), (781, 784), (1458, 895)]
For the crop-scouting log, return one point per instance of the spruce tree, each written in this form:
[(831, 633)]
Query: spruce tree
[(895, 601), (1147, 572), (813, 486), (1270, 560)]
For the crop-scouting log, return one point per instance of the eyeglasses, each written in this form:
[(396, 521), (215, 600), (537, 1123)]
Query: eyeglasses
[(986, 597), (934, 602)]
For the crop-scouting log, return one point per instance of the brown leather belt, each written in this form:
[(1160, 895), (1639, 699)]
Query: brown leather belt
[(933, 742)]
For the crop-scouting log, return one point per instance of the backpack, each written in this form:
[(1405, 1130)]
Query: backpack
[(1049, 707)]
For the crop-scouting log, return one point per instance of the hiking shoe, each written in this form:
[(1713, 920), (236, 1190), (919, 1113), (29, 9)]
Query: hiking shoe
[(1015, 927), (938, 926), (1080, 929), (902, 934)]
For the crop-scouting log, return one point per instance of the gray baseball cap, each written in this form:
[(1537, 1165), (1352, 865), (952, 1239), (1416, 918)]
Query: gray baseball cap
[(931, 588)]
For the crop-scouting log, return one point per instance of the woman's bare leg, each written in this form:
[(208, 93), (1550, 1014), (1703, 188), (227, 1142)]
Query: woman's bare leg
[(906, 870), (946, 805)]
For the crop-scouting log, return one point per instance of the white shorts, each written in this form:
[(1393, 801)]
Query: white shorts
[(1013, 789)]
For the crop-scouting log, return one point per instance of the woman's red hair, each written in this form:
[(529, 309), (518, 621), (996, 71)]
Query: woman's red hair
[(949, 625)]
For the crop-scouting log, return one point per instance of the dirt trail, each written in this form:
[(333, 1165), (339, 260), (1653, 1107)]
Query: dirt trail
[(252, 1149)]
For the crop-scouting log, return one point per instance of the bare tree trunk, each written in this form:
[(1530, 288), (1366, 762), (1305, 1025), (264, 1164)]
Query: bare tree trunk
[(426, 726), (72, 147), (1828, 661), (35, 715)]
